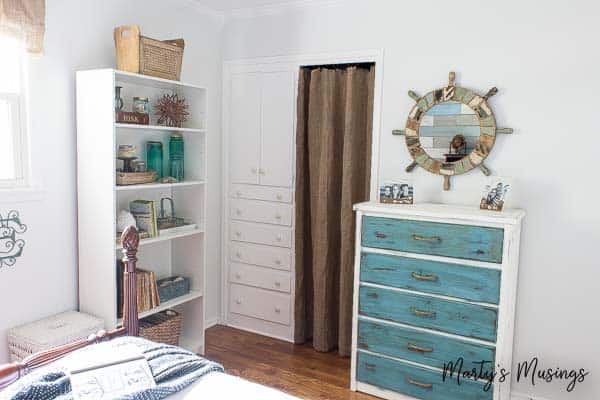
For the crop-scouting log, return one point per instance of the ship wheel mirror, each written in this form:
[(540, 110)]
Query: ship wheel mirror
[(451, 131)]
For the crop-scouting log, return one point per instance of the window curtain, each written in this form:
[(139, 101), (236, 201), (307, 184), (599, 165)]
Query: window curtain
[(24, 20), (333, 165)]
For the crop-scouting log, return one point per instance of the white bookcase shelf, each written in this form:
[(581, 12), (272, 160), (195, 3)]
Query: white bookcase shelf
[(100, 199), (159, 128)]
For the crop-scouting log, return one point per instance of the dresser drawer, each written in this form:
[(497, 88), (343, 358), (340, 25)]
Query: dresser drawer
[(415, 381), (261, 211), (420, 347), (260, 277), (454, 280), (429, 312), (260, 233), (449, 240), (266, 256), (259, 303), (254, 192)]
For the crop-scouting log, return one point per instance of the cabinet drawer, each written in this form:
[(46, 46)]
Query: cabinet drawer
[(420, 347), (416, 381), (464, 319), (261, 211), (454, 280), (259, 277), (260, 233), (256, 254), (255, 192), (259, 303), (450, 240)]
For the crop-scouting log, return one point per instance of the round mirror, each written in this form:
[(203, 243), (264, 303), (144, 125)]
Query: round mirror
[(450, 131)]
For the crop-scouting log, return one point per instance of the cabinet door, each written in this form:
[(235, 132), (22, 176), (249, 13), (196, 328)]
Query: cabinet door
[(278, 95), (244, 128)]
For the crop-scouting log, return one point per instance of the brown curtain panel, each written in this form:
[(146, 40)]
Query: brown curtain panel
[(333, 165), (24, 20)]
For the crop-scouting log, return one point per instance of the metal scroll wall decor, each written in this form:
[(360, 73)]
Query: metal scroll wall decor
[(451, 131), (11, 247)]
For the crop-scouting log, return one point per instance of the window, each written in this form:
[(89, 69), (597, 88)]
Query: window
[(13, 156)]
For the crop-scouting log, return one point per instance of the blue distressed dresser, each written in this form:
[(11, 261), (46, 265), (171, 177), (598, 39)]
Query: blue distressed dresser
[(433, 284)]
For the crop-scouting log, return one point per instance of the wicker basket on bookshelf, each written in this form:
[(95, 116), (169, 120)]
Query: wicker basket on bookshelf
[(163, 327), (140, 54)]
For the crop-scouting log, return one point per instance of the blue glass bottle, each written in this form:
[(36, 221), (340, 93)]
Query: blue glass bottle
[(154, 158)]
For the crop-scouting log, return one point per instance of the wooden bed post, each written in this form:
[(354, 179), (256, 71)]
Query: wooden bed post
[(130, 240)]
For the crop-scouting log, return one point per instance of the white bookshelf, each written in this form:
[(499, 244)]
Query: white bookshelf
[(100, 199)]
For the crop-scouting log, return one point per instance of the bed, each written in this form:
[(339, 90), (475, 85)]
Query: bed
[(209, 382)]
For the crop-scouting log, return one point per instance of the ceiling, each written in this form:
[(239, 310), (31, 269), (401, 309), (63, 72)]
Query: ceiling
[(226, 6)]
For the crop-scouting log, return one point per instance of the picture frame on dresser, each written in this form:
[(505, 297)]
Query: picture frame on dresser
[(434, 284)]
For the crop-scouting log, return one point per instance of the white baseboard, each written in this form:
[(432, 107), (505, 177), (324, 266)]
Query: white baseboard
[(215, 321), (521, 396)]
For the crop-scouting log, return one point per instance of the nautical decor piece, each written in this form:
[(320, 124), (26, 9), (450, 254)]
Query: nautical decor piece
[(494, 194), (171, 110), (11, 247), (451, 130)]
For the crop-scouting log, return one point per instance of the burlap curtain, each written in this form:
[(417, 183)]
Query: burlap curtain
[(24, 20), (333, 159)]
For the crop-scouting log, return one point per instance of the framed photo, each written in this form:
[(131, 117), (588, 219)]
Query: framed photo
[(396, 193), (494, 194)]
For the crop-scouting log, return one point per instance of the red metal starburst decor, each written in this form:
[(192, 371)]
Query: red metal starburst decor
[(171, 110)]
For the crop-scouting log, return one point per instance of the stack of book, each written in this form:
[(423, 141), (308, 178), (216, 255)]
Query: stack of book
[(147, 289), (144, 212)]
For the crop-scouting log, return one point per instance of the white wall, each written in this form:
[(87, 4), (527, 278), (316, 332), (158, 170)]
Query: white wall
[(79, 36), (544, 58)]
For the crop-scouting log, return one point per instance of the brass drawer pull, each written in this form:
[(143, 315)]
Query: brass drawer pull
[(380, 235), (420, 384), (419, 349), (424, 277), (426, 239), (422, 313)]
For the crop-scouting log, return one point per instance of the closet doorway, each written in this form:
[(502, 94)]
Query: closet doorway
[(334, 129)]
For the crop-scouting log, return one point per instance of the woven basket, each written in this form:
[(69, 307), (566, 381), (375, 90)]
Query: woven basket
[(161, 58), (135, 178), (164, 327)]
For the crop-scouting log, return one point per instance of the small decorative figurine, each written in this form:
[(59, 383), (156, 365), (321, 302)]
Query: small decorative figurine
[(171, 110)]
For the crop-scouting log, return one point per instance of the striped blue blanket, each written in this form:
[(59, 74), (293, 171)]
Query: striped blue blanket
[(172, 367)]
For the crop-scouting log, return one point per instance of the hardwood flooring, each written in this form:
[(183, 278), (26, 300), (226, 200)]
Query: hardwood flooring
[(295, 369)]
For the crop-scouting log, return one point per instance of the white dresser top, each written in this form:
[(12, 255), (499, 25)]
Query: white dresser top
[(467, 213)]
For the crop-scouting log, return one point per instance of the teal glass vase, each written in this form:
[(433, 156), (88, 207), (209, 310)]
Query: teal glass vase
[(154, 158), (176, 157)]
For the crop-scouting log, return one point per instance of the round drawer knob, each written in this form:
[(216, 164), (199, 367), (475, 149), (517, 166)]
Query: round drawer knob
[(238, 254), (277, 262), (238, 276), (238, 301), (238, 211), (279, 238), (277, 216), (277, 310), (238, 234), (238, 193), (253, 170), (279, 197), (277, 283)]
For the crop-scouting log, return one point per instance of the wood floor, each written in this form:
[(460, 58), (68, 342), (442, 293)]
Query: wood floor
[(295, 369)]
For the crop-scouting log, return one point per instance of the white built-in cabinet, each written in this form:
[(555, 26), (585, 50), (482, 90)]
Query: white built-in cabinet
[(261, 133), (258, 216)]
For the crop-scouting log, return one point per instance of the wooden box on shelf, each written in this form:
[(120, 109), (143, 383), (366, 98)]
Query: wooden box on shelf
[(129, 117), (135, 178)]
